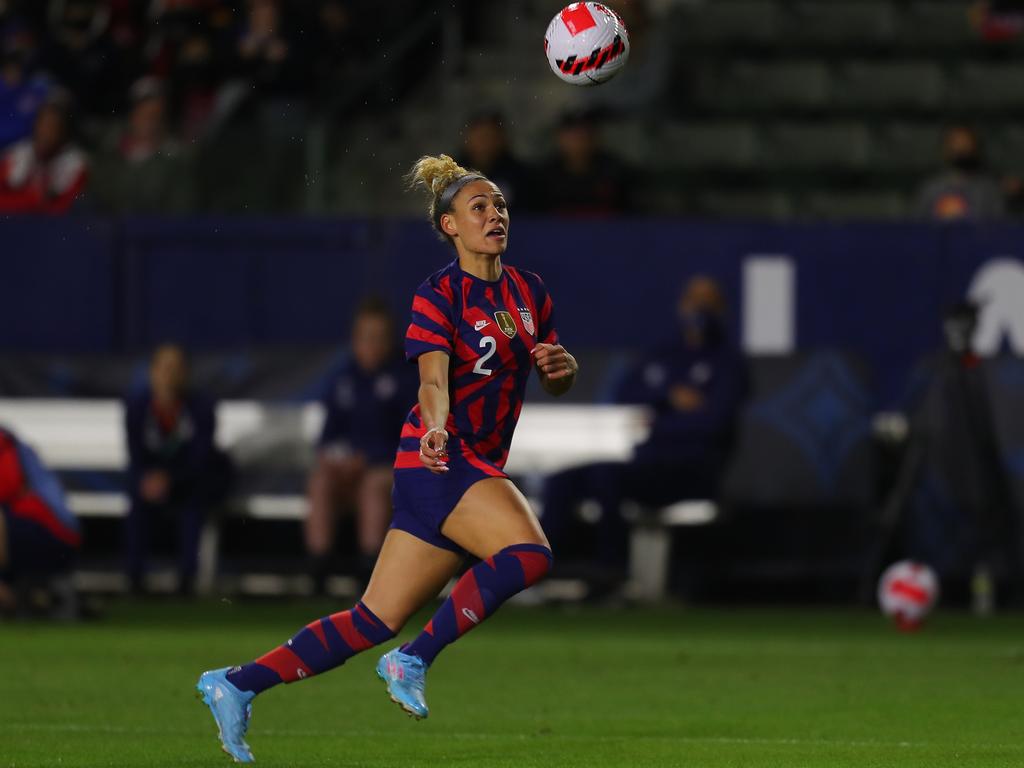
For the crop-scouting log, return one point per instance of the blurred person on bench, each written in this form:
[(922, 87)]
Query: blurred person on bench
[(175, 474), (693, 383), (365, 402), (39, 535)]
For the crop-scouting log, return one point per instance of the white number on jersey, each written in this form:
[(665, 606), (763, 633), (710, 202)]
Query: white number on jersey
[(486, 341)]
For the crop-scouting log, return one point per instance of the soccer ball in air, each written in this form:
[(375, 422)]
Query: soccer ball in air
[(586, 44), (907, 592)]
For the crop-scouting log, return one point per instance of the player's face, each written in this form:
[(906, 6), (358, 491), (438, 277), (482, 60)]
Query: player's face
[(480, 218)]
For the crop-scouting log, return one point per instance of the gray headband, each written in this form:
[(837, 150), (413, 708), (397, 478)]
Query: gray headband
[(444, 203)]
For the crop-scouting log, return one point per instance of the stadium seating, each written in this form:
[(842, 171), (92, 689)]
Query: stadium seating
[(887, 86), (716, 145), (840, 22)]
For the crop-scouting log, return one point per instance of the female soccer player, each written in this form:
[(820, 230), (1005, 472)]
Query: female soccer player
[(477, 329)]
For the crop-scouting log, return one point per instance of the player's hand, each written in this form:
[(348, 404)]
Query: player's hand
[(434, 451), (684, 398), (155, 486), (553, 361)]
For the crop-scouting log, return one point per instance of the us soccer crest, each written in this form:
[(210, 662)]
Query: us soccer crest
[(527, 316), (506, 323)]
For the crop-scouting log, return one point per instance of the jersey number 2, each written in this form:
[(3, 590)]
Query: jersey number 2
[(486, 341)]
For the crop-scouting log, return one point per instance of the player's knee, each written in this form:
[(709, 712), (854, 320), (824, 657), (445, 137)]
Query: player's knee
[(536, 560)]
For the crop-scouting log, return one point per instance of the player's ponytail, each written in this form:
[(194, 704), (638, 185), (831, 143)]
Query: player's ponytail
[(442, 178)]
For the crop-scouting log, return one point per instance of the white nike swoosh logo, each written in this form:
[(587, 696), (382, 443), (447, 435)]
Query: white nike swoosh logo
[(480, 324)]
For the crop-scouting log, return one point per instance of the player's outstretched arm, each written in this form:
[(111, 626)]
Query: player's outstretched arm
[(434, 405), (557, 368)]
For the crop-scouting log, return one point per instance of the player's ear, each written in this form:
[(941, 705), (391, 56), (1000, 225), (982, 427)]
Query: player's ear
[(448, 225)]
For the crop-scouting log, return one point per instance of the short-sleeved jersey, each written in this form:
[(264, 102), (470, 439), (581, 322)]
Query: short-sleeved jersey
[(489, 330)]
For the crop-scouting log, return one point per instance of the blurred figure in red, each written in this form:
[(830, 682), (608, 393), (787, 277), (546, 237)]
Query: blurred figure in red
[(964, 191), (47, 172), (39, 535)]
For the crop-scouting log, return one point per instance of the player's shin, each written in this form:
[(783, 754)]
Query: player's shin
[(321, 645), (479, 593)]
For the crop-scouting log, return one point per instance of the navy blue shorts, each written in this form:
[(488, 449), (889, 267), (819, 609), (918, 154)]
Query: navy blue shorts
[(422, 501)]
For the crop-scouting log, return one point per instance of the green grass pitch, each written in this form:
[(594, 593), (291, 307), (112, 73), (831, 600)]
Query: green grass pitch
[(532, 687)]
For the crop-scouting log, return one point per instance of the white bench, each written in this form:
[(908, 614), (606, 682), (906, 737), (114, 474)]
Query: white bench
[(89, 435)]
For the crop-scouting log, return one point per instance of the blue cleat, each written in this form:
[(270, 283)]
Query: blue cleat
[(404, 675), (231, 710)]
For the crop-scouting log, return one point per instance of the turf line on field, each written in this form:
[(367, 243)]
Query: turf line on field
[(476, 736)]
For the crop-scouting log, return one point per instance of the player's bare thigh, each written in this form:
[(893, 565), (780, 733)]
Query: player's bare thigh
[(408, 573), (492, 515), (373, 505)]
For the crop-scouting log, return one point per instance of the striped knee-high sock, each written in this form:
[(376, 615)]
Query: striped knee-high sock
[(322, 645), (479, 593)]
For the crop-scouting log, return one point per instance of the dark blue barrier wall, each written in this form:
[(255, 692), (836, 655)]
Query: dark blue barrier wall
[(85, 285)]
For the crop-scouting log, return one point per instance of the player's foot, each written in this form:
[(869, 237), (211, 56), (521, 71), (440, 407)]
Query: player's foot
[(404, 675), (231, 710)]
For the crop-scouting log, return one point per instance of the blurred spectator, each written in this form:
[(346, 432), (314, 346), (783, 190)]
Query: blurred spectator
[(39, 535), (582, 179), (47, 173), (82, 56), (693, 385), (175, 471), (340, 49), (998, 21), (188, 49), (148, 171), (22, 91), (965, 191), (366, 401), (266, 55), (486, 149)]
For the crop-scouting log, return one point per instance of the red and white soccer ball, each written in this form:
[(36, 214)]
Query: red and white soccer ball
[(586, 44), (907, 593)]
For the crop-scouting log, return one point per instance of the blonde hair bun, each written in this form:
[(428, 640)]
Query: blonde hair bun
[(434, 174)]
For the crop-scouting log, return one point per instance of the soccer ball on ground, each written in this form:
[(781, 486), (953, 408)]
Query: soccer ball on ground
[(907, 591), (586, 44)]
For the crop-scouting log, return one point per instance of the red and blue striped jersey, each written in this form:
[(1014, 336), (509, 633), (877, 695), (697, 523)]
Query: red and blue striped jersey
[(488, 329)]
